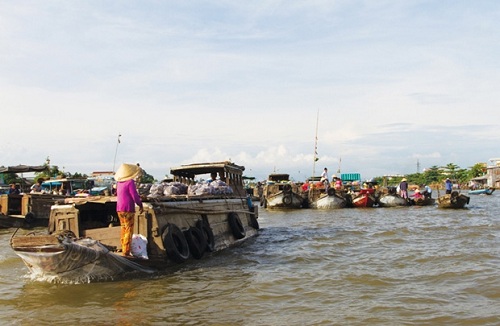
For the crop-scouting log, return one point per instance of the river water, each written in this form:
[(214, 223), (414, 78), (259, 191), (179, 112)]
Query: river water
[(376, 266)]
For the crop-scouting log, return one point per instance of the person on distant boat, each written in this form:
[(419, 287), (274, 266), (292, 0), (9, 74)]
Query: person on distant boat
[(403, 188), (37, 187), (324, 178), (417, 194), (213, 177), (337, 183), (13, 190), (139, 175), (305, 186), (126, 199), (427, 191), (448, 186)]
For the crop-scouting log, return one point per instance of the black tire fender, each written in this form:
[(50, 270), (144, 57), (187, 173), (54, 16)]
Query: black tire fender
[(253, 222), (331, 192), (287, 200), (207, 232), (196, 241), (236, 226), (253, 219), (175, 243)]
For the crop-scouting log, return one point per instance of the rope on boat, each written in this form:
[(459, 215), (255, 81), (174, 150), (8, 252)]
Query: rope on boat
[(208, 212), (201, 211), (12, 236)]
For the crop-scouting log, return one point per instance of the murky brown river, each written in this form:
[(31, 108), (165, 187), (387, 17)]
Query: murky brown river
[(381, 266)]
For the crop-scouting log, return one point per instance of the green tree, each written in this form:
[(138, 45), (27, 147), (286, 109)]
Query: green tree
[(478, 170), (52, 171), (9, 178), (415, 178), (450, 169), (147, 178), (432, 175)]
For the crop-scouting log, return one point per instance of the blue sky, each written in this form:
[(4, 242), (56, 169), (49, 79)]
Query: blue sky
[(394, 82)]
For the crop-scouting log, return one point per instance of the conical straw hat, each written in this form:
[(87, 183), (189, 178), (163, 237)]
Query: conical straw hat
[(127, 172)]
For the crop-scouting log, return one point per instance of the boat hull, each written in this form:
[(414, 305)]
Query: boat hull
[(485, 191), (453, 200), (363, 200), (425, 201), (326, 201), (283, 201), (392, 201), (75, 260), (223, 223)]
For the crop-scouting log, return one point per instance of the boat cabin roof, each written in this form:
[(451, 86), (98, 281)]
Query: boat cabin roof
[(278, 177), (229, 173), (23, 168), (191, 170)]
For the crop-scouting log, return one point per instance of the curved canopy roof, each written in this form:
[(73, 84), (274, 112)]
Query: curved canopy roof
[(22, 168)]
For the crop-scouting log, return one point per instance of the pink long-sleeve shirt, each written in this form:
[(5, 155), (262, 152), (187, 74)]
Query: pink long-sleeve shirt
[(127, 196)]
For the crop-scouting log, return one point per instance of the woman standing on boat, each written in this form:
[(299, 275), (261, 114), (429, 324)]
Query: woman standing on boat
[(448, 186), (126, 199), (403, 188)]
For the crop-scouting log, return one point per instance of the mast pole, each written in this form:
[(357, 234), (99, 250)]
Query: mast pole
[(116, 151), (315, 146)]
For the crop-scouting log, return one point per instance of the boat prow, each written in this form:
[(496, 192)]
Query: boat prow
[(65, 258)]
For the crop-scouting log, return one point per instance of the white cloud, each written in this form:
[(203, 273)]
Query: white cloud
[(393, 82)]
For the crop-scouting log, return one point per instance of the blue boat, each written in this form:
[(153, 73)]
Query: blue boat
[(484, 191)]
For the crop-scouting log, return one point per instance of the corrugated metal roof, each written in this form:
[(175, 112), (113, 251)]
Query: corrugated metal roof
[(350, 176)]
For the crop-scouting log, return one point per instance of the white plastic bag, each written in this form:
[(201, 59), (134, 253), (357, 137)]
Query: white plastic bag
[(139, 246)]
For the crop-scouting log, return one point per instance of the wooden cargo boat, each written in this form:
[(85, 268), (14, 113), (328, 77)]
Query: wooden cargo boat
[(331, 199), (365, 198), (279, 192), (83, 239), (424, 201), (453, 200), (390, 198), (26, 210)]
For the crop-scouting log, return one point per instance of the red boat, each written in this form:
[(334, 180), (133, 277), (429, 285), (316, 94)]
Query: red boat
[(365, 198)]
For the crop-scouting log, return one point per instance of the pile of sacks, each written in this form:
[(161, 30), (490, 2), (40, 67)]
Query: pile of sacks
[(167, 189), (216, 187)]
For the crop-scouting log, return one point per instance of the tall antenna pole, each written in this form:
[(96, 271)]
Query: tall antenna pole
[(315, 145), (116, 151)]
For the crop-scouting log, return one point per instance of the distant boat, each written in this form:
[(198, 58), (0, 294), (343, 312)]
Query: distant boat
[(391, 198), (326, 199), (365, 198), (484, 191), (424, 201), (453, 200), (280, 192)]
